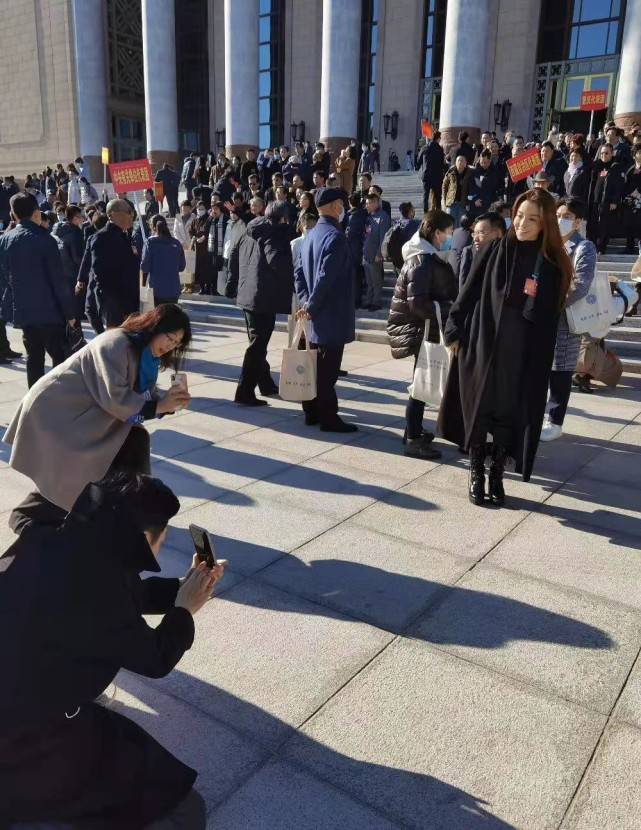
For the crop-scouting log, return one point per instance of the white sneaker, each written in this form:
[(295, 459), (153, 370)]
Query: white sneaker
[(550, 431)]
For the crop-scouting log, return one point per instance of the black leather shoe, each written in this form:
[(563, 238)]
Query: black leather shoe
[(496, 492), (249, 401), (311, 419), (11, 354), (477, 475), (5, 361), (342, 373), (269, 391), (338, 426), (417, 448)]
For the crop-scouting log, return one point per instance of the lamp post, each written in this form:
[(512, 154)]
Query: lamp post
[(390, 125), (297, 131), (502, 113)]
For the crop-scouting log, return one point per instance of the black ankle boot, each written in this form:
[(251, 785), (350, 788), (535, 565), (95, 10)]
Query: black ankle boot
[(497, 467), (477, 474)]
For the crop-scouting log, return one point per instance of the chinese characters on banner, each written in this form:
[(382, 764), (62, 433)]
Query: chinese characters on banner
[(524, 165), (128, 176), (593, 100)]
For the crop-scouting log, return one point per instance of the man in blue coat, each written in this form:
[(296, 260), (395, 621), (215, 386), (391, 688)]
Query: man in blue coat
[(42, 298), (325, 289)]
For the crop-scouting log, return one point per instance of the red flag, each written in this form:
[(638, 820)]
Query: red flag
[(426, 129)]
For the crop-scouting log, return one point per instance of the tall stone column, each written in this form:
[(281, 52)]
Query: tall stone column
[(628, 103), (241, 76), (159, 60), (464, 60), (340, 72), (94, 131)]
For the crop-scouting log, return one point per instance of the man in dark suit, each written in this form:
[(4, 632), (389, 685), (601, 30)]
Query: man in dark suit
[(325, 289), (115, 265), (169, 178)]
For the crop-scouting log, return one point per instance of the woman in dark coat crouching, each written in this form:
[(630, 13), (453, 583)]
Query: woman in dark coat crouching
[(424, 279), (501, 331), (71, 606)]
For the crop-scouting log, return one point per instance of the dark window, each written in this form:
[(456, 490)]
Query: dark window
[(124, 38), (573, 29), (192, 76), (367, 75), (434, 38), (271, 72), (128, 138)]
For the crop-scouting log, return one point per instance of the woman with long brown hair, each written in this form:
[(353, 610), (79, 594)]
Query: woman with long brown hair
[(501, 331), (85, 417)]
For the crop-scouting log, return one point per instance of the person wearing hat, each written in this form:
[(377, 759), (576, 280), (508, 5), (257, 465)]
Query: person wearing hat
[(543, 181), (325, 290)]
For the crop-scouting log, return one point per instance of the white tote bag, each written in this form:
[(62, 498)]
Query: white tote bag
[(187, 276), (432, 367), (298, 369), (146, 298), (593, 313)]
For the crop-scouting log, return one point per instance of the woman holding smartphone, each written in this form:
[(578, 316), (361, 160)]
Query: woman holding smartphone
[(86, 416)]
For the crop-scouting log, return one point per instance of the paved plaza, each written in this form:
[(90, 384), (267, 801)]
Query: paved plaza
[(381, 654)]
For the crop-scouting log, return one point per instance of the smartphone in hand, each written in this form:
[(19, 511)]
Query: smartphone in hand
[(204, 545)]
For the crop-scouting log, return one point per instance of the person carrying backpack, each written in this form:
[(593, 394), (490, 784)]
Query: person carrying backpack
[(400, 233)]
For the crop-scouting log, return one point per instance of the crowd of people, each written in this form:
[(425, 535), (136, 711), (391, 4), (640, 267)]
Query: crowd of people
[(603, 172), (492, 275)]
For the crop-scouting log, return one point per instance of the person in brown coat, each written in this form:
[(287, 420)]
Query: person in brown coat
[(345, 170), (456, 188)]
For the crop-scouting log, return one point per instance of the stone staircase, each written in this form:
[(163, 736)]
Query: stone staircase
[(624, 339)]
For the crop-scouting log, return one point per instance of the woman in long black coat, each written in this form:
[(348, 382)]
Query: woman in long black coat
[(71, 606), (632, 202), (501, 331)]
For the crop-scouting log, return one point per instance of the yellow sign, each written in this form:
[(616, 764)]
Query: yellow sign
[(105, 155)]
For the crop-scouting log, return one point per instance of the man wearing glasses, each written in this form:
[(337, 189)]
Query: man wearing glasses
[(115, 265)]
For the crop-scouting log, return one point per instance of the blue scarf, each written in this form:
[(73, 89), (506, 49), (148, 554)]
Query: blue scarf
[(147, 370)]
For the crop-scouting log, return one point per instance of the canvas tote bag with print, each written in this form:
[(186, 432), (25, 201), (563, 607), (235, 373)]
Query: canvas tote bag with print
[(592, 314), (298, 368), (432, 367)]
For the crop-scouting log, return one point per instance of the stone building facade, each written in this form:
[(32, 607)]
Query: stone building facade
[(163, 77)]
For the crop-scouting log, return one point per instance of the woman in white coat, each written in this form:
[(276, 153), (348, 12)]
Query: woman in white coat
[(182, 227)]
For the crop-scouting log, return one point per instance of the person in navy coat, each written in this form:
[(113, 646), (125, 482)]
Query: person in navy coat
[(325, 290)]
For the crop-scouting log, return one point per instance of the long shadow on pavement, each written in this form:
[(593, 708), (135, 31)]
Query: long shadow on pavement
[(414, 798)]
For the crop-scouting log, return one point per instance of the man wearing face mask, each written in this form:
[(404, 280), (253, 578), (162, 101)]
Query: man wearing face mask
[(570, 214), (377, 225), (325, 290)]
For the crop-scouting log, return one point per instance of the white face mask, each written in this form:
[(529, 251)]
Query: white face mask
[(202, 212), (508, 223), (61, 217), (341, 215), (566, 226)]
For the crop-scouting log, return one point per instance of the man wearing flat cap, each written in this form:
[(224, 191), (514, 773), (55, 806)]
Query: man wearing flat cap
[(325, 289)]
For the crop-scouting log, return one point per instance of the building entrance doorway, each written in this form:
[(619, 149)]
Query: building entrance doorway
[(579, 122)]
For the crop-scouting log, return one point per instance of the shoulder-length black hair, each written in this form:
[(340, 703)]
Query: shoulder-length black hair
[(165, 319)]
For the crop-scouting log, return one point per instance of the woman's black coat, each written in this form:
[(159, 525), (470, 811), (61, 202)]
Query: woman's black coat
[(578, 186), (265, 268), (474, 321), (423, 279), (71, 605)]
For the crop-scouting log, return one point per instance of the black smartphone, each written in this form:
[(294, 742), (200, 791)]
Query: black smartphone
[(203, 544)]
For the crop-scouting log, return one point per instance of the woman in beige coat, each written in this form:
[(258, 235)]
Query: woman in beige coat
[(345, 170), (84, 418)]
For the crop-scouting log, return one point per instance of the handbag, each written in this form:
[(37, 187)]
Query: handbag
[(298, 368), (147, 302), (187, 276), (592, 314), (432, 367), (600, 363)]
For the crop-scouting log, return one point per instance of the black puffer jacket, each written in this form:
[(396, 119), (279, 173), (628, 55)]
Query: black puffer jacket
[(265, 268), (423, 279)]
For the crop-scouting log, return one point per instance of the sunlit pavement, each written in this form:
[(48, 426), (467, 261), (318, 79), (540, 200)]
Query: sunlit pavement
[(381, 653)]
